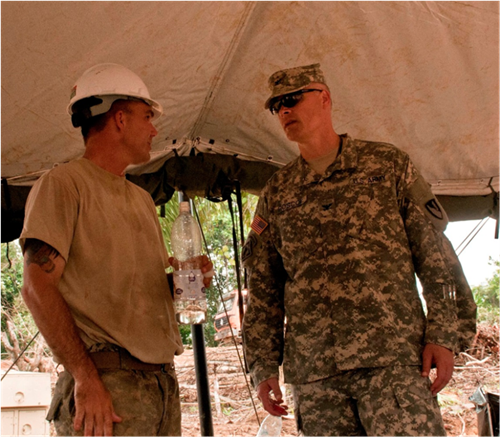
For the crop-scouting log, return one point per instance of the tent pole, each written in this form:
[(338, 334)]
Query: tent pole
[(202, 383), (200, 367)]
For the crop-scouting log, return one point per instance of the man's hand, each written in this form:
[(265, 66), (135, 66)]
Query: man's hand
[(272, 406), (43, 268), (207, 268), (443, 359), (94, 408)]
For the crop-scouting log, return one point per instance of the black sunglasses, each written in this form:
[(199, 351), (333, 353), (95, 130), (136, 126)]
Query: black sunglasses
[(288, 100)]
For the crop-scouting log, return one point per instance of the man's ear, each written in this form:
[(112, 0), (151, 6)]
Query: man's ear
[(326, 98), (119, 119)]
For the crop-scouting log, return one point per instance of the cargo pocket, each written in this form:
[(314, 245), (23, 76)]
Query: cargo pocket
[(412, 392), (55, 406), (63, 394)]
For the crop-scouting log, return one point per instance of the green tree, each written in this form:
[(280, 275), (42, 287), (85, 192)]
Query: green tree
[(12, 279), (18, 326), (487, 296)]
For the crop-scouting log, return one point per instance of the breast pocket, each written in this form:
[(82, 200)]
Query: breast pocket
[(344, 214), (374, 220), (297, 233)]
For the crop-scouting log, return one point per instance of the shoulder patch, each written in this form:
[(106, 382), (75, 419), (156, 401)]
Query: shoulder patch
[(248, 249), (421, 195), (259, 225), (434, 209)]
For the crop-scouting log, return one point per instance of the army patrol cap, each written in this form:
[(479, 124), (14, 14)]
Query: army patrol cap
[(293, 79)]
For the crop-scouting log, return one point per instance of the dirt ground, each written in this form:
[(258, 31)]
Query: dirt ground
[(233, 413)]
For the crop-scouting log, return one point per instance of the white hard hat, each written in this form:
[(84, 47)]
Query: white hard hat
[(110, 82)]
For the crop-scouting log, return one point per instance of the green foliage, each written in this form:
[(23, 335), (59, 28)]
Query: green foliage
[(13, 307), (12, 279), (216, 224), (487, 297), (11, 272)]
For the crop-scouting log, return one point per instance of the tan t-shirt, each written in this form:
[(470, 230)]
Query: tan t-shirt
[(319, 165), (106, 228)]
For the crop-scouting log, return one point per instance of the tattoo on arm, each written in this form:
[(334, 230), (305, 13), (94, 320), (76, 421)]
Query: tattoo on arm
[(38, 252)]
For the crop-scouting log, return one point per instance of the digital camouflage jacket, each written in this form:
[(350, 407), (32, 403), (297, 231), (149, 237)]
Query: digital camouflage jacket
[(335, 256)]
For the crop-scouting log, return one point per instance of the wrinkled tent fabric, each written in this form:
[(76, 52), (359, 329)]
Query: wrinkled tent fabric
[(420, 75)]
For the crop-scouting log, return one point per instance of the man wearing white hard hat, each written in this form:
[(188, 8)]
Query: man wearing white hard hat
[(94, 274)]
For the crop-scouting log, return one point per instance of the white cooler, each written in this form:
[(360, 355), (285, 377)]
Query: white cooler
[(25, 401)]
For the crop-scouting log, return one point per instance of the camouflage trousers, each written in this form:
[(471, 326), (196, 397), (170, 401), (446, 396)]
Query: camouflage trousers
[(148, 403), (386, 401)]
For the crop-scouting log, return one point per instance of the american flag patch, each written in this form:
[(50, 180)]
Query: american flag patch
[(259, 224)]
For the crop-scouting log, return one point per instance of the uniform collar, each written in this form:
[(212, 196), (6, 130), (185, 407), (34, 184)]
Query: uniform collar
[(347, 160)]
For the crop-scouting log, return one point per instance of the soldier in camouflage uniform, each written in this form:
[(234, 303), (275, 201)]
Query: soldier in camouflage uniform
[(338, 236)]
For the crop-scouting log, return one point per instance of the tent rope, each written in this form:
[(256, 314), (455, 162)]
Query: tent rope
[(219, 289), (480, 225)]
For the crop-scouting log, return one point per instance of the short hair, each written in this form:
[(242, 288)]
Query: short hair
[(98, 122)]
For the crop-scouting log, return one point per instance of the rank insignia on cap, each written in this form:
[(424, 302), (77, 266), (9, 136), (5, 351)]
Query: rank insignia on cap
[(259, 224)]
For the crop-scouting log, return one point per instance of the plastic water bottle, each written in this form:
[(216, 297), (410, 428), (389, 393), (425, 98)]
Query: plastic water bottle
[(270, 426), (189, 291)]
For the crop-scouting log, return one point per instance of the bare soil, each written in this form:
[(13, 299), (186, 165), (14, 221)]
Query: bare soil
[(234, 414), (235, 407)]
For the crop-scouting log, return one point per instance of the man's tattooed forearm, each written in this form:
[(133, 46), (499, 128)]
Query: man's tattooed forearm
[(40, 253)]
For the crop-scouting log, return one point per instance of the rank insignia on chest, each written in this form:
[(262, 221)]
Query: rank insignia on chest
[(258, 225)]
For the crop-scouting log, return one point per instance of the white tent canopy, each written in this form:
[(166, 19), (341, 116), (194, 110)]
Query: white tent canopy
[(420, 75)]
